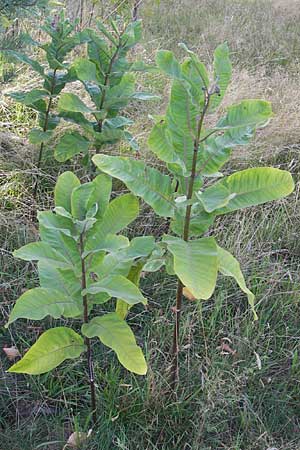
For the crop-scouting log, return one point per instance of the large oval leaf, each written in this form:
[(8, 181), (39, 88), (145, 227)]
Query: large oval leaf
[(40, 302), (117, 286), (115, 333), (65, 184), (253, 187), (195, 264), (151, 185), (51, 349)]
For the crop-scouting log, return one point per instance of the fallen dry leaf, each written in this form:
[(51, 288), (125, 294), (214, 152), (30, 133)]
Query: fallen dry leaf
[(225, 348), (77, 438), (12, 353)]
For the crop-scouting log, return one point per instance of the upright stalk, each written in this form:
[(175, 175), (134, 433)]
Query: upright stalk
[(87, 341), (45, 128), (179, 294)]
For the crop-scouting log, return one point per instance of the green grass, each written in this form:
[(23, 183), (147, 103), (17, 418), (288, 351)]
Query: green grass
[(248, 400)]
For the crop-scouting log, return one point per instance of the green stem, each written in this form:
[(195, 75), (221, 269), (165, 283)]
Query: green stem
[(87, 341), (45, 128), (187, 220)]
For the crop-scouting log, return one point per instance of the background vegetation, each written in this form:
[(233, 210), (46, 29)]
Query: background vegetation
[(240, 380)]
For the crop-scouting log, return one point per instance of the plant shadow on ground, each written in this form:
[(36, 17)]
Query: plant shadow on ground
[(245, 398)]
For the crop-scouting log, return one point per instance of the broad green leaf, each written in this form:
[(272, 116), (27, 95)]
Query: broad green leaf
[(122, 307), (111, 243), (151, 185), (255, 186), (139, 247), (118, 96), (101, 194), (39, 302), (52, 348), (63, 280), (116, 334), (35, 95), (85, 70), (194, 71), (215, 197), (117, 286), (37, 136), (80, 200), (119, 213), (31, 62), (65, 184), (199, 223), (41, 251), (167, 62), (71, 102), (248, 113), (161, 146), (144, 96), (195, 264), (222, 73), (71, 144), (230, 267)]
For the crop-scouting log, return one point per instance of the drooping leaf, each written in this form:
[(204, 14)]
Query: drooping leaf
[(65, 184), (71, 144), (119, 287), (52, 348), (116, 334), (31, 62), (41, 251), (122, 307), (195, 264), (151, 185), (38, 303), (230, 267), (248, 113), (255, 186)]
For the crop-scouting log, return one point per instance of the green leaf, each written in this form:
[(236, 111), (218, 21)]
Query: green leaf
[(31, 62), (35, 95), (38, 136), (144, 96), (118, 96), (248, 113), (63, 280), (38, 303), (101, 193), (222, 73), (167, 62), (148, 183), (117, 286), (194, 71), (71, 144), (161, 146), (255, 186), (230, 267), (215, 197), (111, 243), (122, 307), (85, 70), (195, 264), (117, 335), (41, 251), (119, 213), (51, 349), (65, 184), (71, 102), (80, 200)]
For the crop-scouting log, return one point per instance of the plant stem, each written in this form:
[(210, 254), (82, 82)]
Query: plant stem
[(87, 341), (187, 220), (45, 128)]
